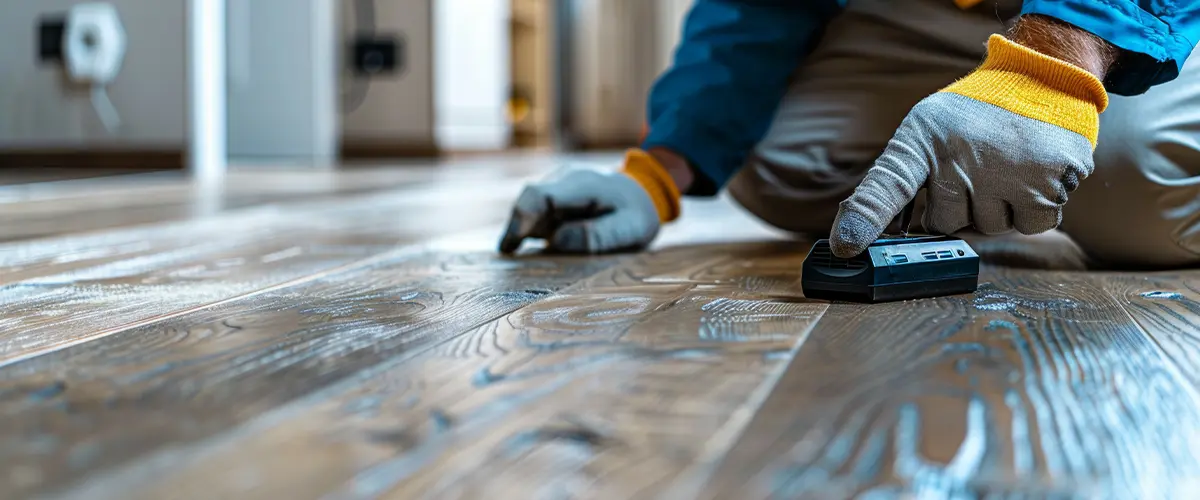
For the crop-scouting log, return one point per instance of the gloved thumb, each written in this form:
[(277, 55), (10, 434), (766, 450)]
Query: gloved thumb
[(888, 186)]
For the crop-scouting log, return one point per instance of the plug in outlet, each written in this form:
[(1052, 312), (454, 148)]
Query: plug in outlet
[(88, 42), (373, 55), (51, 29)]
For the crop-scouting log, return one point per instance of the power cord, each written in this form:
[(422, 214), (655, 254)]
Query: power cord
[(364, 24), (104, 108)]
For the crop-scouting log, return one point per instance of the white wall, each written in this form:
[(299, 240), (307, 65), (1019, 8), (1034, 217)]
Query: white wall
[(282, 73), (398, 109), (38, 111), (453, 93), (472, 75), (670, 16), (615, 59)]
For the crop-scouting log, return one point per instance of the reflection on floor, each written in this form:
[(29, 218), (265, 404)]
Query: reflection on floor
[(10, 176), (353, 334)]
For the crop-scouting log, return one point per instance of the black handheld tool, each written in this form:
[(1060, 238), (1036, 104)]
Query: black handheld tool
[(893, 269)]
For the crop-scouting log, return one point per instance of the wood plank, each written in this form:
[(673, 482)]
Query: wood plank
[(1039, 385), (82, 410), (1167, 306), (62, 291), (66, 290), (48, 209), (612, 387)]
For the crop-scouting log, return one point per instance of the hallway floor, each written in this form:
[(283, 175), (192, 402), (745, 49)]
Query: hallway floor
[(354, 334)]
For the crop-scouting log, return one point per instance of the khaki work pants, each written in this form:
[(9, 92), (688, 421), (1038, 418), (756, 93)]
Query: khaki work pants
[(1141, 207)]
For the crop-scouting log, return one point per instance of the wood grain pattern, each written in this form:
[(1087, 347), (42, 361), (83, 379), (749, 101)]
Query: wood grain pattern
[(46, 209), (342, 348), (1167, 307), (40, 211), (63, 291), (608, 389), (68, 414), (1039, 385)]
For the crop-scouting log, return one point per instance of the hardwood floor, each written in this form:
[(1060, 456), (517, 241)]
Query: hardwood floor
[(354, 335), (1041, 383)]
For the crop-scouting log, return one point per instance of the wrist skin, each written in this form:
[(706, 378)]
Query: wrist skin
[(1065, 42), (676, 166)]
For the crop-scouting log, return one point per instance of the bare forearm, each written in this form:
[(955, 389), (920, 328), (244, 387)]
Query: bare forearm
[(1063, 41)]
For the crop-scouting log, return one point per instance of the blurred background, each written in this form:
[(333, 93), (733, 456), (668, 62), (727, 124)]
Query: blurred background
[(171, 84)]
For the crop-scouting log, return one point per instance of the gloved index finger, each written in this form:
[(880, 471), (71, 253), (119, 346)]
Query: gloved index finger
[(516, 231), (570, 194), (906, 217), (528, 219), (890, 185)]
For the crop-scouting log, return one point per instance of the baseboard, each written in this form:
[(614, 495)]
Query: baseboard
[(605, 144), (383, 149), (133, 158), (531, 139)]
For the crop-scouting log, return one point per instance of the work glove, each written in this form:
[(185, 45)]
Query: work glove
[(999, 150), (584, 211)]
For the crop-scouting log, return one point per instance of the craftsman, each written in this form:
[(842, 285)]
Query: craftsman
[(825, 118)]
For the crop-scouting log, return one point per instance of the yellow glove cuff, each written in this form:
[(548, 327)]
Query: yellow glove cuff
[(657, 182), (1037, 86)]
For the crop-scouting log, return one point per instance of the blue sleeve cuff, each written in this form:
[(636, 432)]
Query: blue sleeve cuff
[(728, 74), (1156, 44)]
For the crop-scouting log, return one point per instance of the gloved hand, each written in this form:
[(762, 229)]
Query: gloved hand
[(584, 211), (999, 150)]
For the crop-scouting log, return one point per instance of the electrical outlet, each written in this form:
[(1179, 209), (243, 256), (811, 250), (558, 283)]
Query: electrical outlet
[(377, 55), (50, 37)]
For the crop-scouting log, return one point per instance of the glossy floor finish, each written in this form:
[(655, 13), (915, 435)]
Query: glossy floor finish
[(353, 335)]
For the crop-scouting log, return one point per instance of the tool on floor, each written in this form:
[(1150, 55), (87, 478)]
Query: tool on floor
[(893, 268)]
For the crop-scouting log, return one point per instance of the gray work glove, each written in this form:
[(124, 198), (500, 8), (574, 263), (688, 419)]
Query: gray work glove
[(583, 211), (982, 158)]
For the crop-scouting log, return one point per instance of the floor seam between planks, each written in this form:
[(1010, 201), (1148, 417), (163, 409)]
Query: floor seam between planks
[(135, 471), (696, 476), (95, 271), (1169, 360), (83, 339)]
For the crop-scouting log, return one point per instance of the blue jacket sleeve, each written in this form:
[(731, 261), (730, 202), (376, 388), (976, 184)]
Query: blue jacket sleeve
[(729, 72), (1156, 36)]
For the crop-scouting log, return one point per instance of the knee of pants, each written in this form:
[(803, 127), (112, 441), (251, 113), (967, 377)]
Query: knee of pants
[(1141, 205), (770, 200)]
